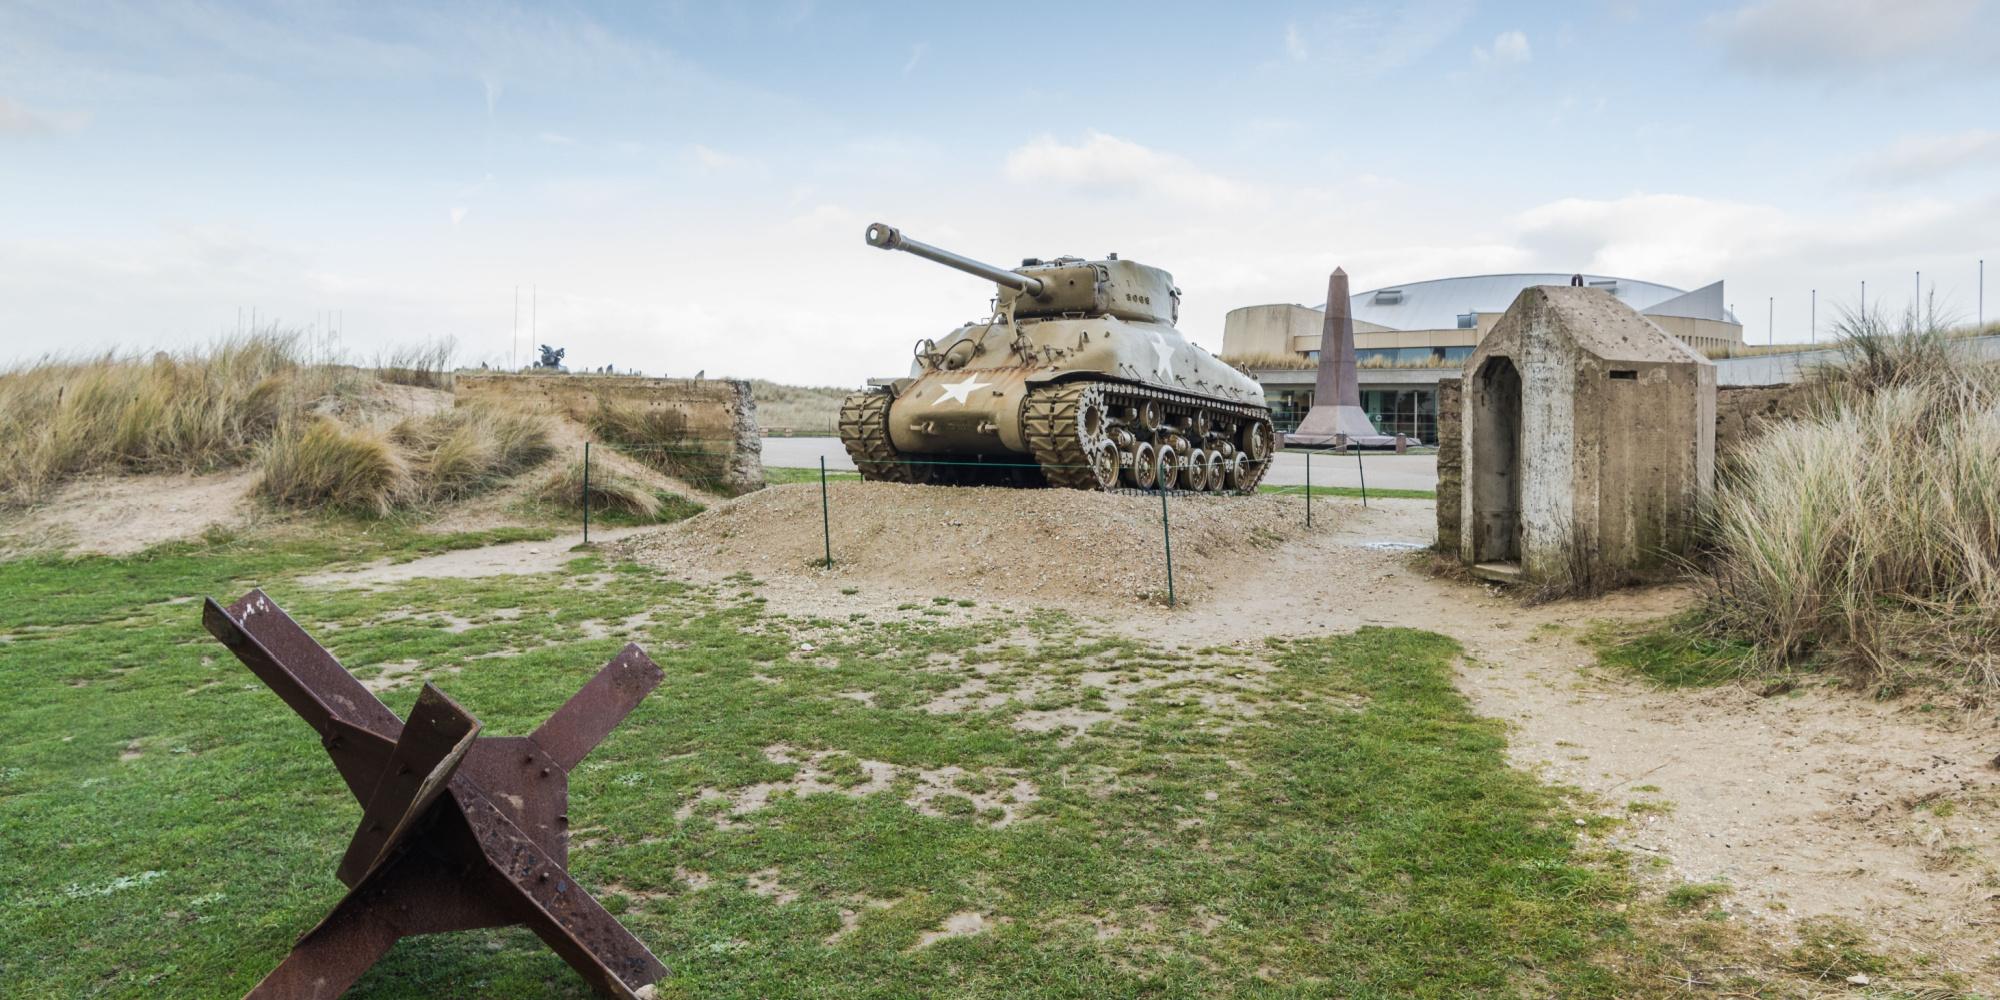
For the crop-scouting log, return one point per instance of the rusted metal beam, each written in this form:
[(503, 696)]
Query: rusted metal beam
[(458, 830)]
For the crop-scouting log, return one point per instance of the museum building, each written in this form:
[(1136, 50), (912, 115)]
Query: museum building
[(1408, 336)]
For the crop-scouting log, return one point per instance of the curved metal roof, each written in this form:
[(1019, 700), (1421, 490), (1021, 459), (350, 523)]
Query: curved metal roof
[(1436, 304)]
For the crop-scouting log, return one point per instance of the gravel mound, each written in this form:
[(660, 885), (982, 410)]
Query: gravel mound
[(1054, 546)]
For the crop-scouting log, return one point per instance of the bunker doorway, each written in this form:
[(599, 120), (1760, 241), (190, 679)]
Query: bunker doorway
[(1496, 466)]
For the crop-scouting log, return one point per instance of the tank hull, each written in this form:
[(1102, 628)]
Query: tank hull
[(1082, 402)]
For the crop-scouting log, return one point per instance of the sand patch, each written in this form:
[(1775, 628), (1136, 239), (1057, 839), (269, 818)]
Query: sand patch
[(120, 515), (998, 798), (511, 558), (964, 923)]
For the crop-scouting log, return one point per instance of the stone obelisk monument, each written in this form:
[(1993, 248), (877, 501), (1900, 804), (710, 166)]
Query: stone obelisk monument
[(1336, 415)]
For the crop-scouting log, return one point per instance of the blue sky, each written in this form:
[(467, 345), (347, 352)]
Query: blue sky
[(685, 185)]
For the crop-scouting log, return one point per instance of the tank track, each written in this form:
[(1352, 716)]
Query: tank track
[(864, 429), (1069, 428), (1051, 416)]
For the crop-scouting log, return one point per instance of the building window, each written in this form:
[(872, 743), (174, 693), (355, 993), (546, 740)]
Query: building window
[(1409, 412), (1467, 321)]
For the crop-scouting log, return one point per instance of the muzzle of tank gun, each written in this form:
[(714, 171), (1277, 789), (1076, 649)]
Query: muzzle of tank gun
[(890, 238)]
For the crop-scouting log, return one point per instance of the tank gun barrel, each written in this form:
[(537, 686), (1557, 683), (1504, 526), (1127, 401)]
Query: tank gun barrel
[(891, 238)]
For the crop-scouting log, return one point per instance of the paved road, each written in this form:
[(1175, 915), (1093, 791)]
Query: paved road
[(1387, 471)]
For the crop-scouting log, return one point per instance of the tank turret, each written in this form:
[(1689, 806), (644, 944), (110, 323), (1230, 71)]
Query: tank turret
[(1109, 287), (1078, 379)]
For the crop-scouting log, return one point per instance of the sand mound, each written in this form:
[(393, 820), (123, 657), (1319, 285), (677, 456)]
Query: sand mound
[(119, 515), (1053, 545)]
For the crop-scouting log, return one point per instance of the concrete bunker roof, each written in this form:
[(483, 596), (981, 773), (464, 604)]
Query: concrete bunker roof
[(1596, 322)]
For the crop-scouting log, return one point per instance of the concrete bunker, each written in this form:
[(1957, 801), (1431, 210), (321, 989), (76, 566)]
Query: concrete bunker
[(1588, 442)]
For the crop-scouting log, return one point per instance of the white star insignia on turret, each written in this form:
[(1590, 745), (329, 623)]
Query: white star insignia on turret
[(963, 391)]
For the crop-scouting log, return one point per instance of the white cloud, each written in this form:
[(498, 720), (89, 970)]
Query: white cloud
[(1295, 43), (715, 160), (18, 120), (1508, 48), (1107, 163), (1688, 239), (917, 52), (1841, 37), (1917, 157), (1369, 39), (494, 87), (555, 138), (1661, 237)]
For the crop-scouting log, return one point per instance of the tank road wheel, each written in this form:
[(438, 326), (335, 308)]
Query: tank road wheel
[(1150, 414), (1196, 476), (1232, 473), (1213, 475), (1254, 447), (1069, 430), (1256, 440), (864, 429), (1168, 462), (1139, 469)]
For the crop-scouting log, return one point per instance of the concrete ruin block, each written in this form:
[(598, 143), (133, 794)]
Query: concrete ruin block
[(1450, 464), (707, 427), (1588, 442)]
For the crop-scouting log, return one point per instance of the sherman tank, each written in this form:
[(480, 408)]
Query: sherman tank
[(1078, 379)]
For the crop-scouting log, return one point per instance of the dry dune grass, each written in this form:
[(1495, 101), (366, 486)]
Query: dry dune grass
[(329, 465), (460, 452), (1869, 532), (437, 459), (609, 491), (1269, 362), (426, 365), (191, 412)]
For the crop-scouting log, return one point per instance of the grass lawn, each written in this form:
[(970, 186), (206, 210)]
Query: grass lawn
[(1351, 491), (783, 476), (936, 800)]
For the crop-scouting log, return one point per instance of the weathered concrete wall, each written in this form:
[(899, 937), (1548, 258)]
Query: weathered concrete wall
[(710, 425), (1450, 465), (1741, 411)]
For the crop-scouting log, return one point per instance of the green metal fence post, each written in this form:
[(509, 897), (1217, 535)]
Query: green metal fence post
[(1364, 476), (1309, 489), (586, 493), (1167, 535), (825, 514)]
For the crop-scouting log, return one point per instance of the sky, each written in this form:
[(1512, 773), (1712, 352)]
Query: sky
[(682, 187)]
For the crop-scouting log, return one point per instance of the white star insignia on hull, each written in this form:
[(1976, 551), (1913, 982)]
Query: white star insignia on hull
[(1163, 363), (962, 392)]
